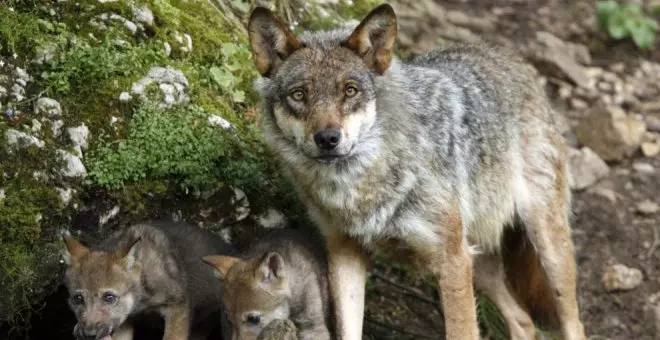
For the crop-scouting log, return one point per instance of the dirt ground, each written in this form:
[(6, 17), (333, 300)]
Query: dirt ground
[(605, 231)]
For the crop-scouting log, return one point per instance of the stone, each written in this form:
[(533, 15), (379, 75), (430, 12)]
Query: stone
[(272, 219), (647, 207), (48, 107), (216, 120), (643, 167), (3, 194), (65, 195), (564, 58), (131, 26), (618, 277), (79, 135), (585, 168), (578, 104), (73, 165), (241, 205), (611, 133), (143, 15), (17, 138), (125, 97), (103, 219), (650, 149), (56, 126), (18, 92), (171, 82)]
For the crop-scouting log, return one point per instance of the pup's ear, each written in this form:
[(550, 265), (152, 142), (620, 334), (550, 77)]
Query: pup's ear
[(271, 267), (128, 254), (271, 40), (374, 38), (73, 250), (221, 263)]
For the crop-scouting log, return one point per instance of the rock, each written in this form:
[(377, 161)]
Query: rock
[(36, 126), (18, 92), (73, 166), (215, 120), (643, 167), (168, 49), (618, 277), (79, 135), (21, 139), (3, 194), (647, 207), (48, 107), (606, 193), (103, 219), (578, 104), (611, 133), (56, 126), (562, 58), (65, 195), (170, 81), (651, 149), (22, 74), (125, 97), (272, 219), (279, 329), (143, 15), (585, 168), (3, 92), (131, 26), (241, 205), (45, 53)]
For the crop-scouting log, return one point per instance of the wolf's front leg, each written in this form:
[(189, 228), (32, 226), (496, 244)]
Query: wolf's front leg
[(347, 274), (177, 322), (453, 269)]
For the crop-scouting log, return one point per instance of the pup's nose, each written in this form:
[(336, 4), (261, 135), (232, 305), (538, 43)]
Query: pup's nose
[(327, 139)]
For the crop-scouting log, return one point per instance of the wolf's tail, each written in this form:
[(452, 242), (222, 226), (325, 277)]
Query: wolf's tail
[(527, 278)]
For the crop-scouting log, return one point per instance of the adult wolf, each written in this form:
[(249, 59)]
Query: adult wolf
[(437, 158)]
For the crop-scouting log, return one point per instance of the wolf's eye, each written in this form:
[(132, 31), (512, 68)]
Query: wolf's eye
[(254, 319), (298, 95), (110, 298), (350, 91), (78, 299)]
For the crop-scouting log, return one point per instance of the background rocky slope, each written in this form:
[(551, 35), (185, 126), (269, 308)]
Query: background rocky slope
[(117, 111)]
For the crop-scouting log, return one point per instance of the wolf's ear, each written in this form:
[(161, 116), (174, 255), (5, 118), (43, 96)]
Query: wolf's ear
[(271, 40), (73, 250), (221, 263), (374, 38), (128, 254), (271, 267)]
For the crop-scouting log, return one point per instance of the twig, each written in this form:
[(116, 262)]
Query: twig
[(410, 292), (405, 289), (656, 242), (396, 329)]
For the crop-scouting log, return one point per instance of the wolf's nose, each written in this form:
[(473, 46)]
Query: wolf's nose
[(327, 139)]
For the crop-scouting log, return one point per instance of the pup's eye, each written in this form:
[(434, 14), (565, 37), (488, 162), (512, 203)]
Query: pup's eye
[(78, 299), (110, 298), (298, 95), (254, 319), (350, 91)]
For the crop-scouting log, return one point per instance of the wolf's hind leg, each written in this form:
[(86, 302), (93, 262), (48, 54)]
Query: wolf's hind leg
[(545, 217), (490, 279)]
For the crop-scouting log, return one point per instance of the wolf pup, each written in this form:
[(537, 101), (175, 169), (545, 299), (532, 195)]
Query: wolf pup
[(282, 276), (433, 158), (146, 267)]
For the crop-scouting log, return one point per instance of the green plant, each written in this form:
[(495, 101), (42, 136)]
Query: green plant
[(178, 145), (627, 20), (84, 67), (236, 71)]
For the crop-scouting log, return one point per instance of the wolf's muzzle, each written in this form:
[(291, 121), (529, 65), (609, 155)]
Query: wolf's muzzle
[(327, 139)]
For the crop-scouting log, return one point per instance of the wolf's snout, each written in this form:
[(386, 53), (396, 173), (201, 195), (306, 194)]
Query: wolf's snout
[(327, 139)]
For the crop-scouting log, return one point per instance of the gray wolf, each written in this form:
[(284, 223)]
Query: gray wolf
[(148, 267), (436, 158), (281, 276)]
